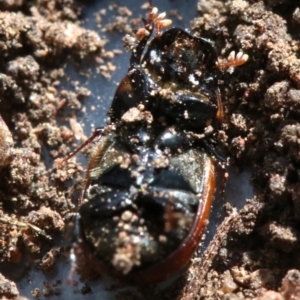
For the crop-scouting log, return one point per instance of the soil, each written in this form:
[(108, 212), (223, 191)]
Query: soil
[(255, 253)]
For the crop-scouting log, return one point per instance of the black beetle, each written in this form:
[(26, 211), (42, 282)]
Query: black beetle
[(151, 178), (149, 184)]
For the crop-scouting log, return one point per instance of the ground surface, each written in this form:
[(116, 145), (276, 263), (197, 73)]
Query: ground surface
[(255, 253)]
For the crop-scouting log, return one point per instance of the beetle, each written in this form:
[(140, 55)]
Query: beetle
[(146, 210), (151, 177)]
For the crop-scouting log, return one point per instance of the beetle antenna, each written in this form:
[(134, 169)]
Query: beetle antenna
[(233, 60), (158, 20)]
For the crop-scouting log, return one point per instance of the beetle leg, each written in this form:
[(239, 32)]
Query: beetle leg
[(220, 111), (98, 133), (211, 149), (185, 201), (73, 249), (137, 52), (222, 163)]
